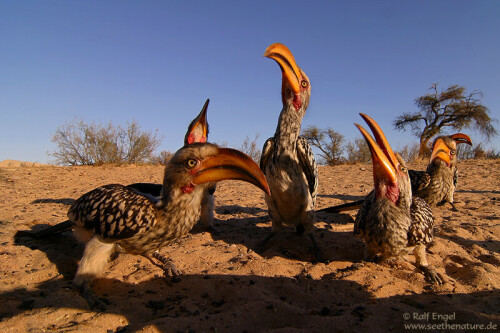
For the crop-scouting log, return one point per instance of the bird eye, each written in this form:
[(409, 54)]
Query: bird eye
[(402, 168), (191, 163), (452, 152), (303, 84)]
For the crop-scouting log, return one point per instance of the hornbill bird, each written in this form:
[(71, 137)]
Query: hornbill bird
[(197, 132), (115, 217), (436, 185), (442, 170), (287, 159), (392, 221)]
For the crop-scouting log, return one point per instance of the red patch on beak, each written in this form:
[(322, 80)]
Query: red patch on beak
[(192, 138)]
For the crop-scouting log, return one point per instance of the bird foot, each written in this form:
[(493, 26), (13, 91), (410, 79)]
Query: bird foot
[(167, 265), (95, 303), (376, 259), (211, 229), (431, 275)]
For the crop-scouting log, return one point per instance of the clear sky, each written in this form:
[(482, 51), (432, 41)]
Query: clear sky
[(157, 61)]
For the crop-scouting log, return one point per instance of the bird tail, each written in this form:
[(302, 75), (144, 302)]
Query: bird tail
[(52, 230), (344, 207)]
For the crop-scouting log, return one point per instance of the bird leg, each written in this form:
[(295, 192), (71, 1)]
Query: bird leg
[(430, 274), (94, 261), (453, 207), (166, 264), (371, 255), (207, 212), (95, 303)]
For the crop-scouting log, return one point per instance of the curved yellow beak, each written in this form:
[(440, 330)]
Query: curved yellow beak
[(461, 138), (231, 164), (441, 151), (383, 167), (291, 72)]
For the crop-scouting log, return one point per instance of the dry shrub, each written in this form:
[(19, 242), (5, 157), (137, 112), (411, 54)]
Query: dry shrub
[(79, 143)]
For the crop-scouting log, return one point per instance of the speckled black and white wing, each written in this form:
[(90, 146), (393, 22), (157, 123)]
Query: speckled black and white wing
[(308, 165), (422, 223), (114, 211), (362, 215), (267, 151), (419, 180)]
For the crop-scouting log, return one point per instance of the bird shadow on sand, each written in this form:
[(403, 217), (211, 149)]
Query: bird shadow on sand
[(490, 245), (241, 228), (236, 209), (64, 201), (465, 191), (345, 197), (213, 302), (62, 249)]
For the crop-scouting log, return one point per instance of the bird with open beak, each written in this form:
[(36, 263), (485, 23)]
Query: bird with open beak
[(437, 184), (287, 159), (391, 221), (443, 170), (197, 132), (115, 217)]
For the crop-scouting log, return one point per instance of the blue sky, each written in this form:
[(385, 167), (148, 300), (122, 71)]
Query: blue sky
[(157, 61)]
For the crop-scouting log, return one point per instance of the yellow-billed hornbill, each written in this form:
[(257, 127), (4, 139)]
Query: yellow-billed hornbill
[(115, 217), (197, 132), (391, 221), (442, 170), (436, 185), (287, 159)]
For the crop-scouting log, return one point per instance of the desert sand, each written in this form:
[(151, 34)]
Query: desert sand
[(226, 286)]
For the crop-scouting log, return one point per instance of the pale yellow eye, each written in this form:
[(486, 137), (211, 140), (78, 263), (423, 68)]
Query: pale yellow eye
[(191, 163), (452, 152), (303, 84)]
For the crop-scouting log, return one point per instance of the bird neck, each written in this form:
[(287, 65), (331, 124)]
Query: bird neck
[(288, 129), (175, 194)]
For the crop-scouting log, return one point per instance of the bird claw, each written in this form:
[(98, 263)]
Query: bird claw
[(167, 265), (170, 270), (432, 276)]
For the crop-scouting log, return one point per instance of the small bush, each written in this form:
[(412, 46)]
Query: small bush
[(250, 148), (79, 143), (358, 151), (410, 152)]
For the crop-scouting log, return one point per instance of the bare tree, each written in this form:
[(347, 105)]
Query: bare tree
[(93, 144), (329, 142), (358, 151), (452, 108), (250, 148)]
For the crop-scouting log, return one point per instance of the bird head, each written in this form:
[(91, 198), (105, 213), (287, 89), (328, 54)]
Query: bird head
[(296, 88), (444, 149), (198, 129), (198, 164), (390, 174)]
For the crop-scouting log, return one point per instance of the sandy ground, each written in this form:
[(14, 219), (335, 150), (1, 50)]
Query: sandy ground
[(227, 287)]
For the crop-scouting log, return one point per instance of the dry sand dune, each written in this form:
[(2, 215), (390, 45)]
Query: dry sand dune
[(226, 287)]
